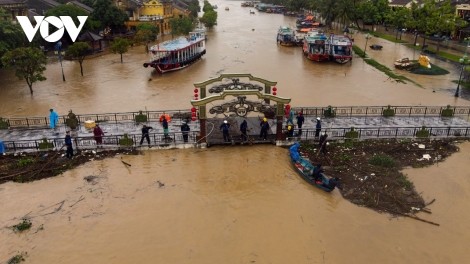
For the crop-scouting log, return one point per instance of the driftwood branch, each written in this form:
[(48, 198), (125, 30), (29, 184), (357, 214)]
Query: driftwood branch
[(79, 200)]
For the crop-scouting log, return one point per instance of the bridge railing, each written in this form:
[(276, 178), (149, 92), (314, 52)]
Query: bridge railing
[(405, 111), (152, 116), (133, 140), (387, 132)]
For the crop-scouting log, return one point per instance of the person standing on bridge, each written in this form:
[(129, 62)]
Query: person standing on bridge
[(318, 127), (243, 128), (98, 135), (185, 130), (225, 130), (145, 134), (68, 144), (264, 129), (53, 119), (165, 127), (300, 122), (290, 119)]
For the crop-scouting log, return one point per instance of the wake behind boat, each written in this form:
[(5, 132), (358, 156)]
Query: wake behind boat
[(305, 168), (178, 53)]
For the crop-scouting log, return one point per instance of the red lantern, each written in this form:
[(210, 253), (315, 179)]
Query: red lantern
[(193, 109), (274, 93), (274, 88), (193, 114), (193, 118), (196, 95), (196, 90)]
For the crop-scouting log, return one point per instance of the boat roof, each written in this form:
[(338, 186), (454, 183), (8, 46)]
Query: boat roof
[(340, 40), (178, 43), (314, 35), (285, 29)]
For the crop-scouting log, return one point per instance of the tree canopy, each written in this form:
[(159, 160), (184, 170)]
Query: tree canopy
[(79, 50), (29, 64), (11, 35), (120, 45), (108, 14), (73, 12), (181, 25)]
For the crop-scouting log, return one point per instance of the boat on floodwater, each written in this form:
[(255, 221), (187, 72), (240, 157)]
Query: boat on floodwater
[(316, 46), (340, 48), (319, 47), (178, 53), (286, 36)]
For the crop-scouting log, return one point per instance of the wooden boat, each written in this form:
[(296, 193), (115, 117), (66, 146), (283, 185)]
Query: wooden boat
[(316, 46), (286, 36), (305, 168), (340, 48), (178, 53), (376, 47)]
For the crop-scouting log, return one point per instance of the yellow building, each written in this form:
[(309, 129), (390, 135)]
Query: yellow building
[(158, 12)]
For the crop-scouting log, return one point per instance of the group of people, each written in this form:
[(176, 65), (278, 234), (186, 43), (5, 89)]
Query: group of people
[(264, 128), (146, 131)]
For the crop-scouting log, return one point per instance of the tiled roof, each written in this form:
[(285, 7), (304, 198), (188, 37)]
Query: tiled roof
[(9, 2)]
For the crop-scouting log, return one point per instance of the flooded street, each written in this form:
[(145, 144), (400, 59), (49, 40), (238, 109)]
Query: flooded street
[(226, 204)]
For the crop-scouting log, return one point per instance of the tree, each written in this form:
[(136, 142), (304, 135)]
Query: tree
[(194, 8), (29, 64), (120, 45), (146, 33), (209, 19), (181, 25), (399, 18), (11, 35), (78, 50), (73, 12), (108, 14)]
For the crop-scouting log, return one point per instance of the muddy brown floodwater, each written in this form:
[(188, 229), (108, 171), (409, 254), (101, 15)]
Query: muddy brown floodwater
[(225, 204)]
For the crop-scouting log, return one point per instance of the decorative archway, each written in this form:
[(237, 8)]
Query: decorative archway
[(241, 107)]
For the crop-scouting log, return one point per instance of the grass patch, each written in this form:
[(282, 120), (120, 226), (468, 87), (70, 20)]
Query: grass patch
[(463, 84), (387, 37), (24, 225), (383, 68), (17, 258), (382, 161), (23, 162), (404, 182), (434, 70), (443, 54)]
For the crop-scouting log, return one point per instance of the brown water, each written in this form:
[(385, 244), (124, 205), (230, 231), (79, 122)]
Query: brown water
[(247, 207), (226, 205)]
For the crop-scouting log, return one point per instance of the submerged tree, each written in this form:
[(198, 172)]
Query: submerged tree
[(29, 64), (120, 45), (79, 50)]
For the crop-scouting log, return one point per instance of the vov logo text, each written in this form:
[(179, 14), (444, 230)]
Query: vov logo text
[(62, 23)]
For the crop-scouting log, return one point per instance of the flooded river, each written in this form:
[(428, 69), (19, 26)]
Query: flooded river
[(226, 204)]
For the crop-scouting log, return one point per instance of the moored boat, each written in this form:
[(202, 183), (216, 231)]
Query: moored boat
[(340, 48), (305, 168), (316, 46), (286, 36), (178, 53)]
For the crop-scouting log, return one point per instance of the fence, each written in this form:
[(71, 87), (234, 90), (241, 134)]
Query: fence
[(350, 111), (38, 122), (159, 139), (156, 139), (330, 111)]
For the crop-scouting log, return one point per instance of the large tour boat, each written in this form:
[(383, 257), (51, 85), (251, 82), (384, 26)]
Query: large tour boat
[(286, 36), (316, 46), (341, 48), (178, 53)]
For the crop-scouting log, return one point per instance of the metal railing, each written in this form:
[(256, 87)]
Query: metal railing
[(156, 139), (38, 122), (338, 111)]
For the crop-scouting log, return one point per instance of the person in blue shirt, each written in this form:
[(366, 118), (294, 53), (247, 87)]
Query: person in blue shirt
[(300, 122), (53, 119), (225, 130)]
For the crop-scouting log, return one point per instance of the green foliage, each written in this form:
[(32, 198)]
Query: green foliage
[(146, 32), (434, 70), (141, 117), (24, 225), (29, 64), (351, 134), (448, 112), (207, 6), (388, 112), (181, 25), (126, 141), (79, 50), (329, 112), (3, 124), (120, 45), (11, 35), (23, 162), (422, 133), (209, 19), (194, 8), (404, 182), (45, 144), (382, 160), (17, 258), (108, 14), (72, 11)]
